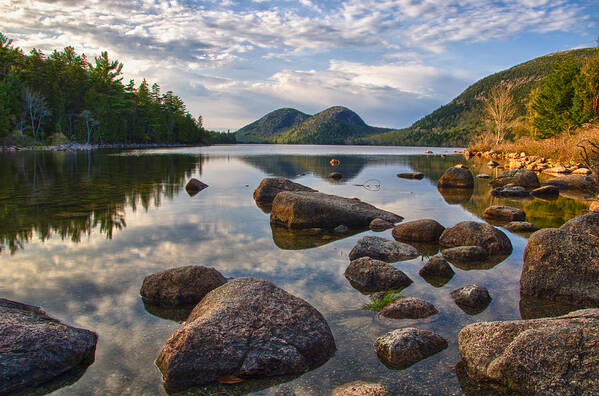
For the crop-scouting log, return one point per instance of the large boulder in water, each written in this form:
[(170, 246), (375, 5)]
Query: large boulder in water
[(369, 275), (521, 177), (457, 176), (563, 264), (313, 209), (506, 213), (194, 186), (270, 187), (382, 249), (573, 182), (425, 230), (180, 286), (246, 328), (403, 347), (550, 356), (36, 348), (471, 233)]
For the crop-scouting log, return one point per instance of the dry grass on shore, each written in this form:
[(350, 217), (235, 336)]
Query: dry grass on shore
[(563, 148)]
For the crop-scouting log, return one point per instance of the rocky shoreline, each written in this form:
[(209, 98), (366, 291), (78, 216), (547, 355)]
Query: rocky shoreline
[(87, 147)]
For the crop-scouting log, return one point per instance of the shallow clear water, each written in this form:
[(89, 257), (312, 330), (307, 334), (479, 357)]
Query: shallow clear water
[(80, 231)]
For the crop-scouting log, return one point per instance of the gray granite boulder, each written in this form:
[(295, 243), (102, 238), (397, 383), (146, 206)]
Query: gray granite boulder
[(369, 275), (465, 253), (472, 299), (402, 348), (520, 177), (270, 187), (382, 249), (471, 233), (408, 308), (425, 230)]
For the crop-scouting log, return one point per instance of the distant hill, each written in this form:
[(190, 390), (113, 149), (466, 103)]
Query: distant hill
[(335, 125), (459, 121), (270, 126)]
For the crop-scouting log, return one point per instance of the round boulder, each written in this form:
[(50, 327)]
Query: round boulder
[(437, 271), (472, 299), (425, 230), (402, 348), (506, 213), (408, 308), (574, 182), (382, 249), (246, 328), (465, 253), (369, 275), (457, 176), (545, 192), (520, 177), (472, 233), (378, 225), (180, 286), (510, 190)]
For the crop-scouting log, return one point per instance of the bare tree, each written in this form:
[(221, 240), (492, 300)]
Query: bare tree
[(590, 155), (499, 110), (37, 109), (90, 123)]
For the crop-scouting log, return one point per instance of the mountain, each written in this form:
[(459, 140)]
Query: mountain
[(459, 121), (335, 125), (270, 126)]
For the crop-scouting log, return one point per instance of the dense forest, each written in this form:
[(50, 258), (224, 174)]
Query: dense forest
[(63, 97)]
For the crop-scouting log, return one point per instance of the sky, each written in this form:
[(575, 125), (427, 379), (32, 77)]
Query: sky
[(232, 61)]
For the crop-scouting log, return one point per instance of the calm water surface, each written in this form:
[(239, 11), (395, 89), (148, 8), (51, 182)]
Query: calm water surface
[(80, 231)]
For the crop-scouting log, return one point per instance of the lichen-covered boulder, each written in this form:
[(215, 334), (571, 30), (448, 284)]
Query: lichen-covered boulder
[(520, 177), (585, 224), (181, 285), (425, 230), (458, 176), (246, 328), (36, 348), (271, 186), (472, 233), (408, 308), (472, 299), (402, 348), (369, 275), (549, 356), (382, 249)]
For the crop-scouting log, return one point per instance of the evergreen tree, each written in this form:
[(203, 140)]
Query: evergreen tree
[(586, 86)]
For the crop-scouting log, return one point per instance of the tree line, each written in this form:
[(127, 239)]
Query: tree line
[(63, 96)]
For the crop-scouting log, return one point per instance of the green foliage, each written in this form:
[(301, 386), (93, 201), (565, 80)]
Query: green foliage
[(270, 126), (87, 102), (378, 303), (586, 87), (554, 104), (221, 137)]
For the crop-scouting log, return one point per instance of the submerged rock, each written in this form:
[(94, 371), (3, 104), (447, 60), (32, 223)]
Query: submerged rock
[(335, 176), (369, 275), (510, 190), (180, 286), (471, 233), (425, 230), (520, 177), (382, 249), (402, 348), (437, 271), (270, 187), (472, 299), (313, 209), (465, 253), (506, 213), (545, 192), (457, 176), (521, 226), (36, 348), (360, 388), (411, 175), (194, 186), (408, 308), (550, 356), (246, 328), (380, 225), (574, 182)]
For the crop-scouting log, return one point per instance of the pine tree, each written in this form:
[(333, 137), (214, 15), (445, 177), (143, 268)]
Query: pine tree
[(586, 86)]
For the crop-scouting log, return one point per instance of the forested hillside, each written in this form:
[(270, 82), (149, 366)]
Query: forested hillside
[(270, 126), (65, 97)]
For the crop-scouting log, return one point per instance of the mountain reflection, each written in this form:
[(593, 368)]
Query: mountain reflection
[(69, 194)]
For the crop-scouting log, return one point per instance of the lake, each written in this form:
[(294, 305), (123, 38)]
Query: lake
[(80, 231)]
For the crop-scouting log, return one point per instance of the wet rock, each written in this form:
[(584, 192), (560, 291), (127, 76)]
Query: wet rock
[(36, 348), (425, 230), (550, 356), (521, 226), (411, 175), (360, 388), (313, 209), (465, 253), (573, 182), (369, 275), (438, 267), (483, 176), (380, 225), (180, 286), (457, 176), (471, 233), (510, 190), (409, 308), (382, 249), (585, 224), (562, 266), (402, 348), (472, 299), (194, 186), (335, 176), (506, 213), (270, 187), (246, 328), (520, 177), (545, 192), (341, 228)]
